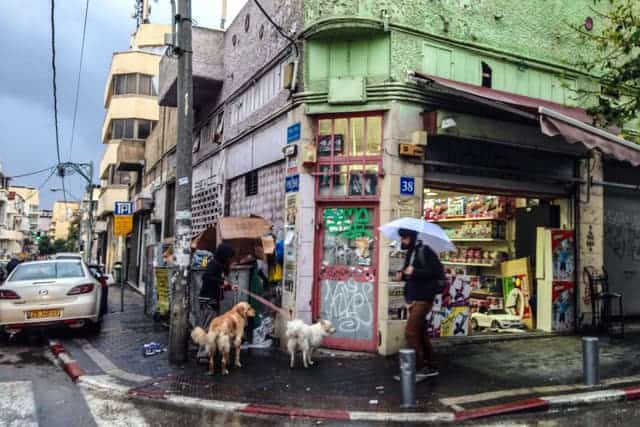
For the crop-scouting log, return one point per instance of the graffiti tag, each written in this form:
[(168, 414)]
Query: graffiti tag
[(349, 306)]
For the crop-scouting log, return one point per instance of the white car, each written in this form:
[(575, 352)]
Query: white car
[(50, 293), (495, 319), (67, 255)]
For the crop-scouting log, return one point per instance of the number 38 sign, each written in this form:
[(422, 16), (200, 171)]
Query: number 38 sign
[(407, 185)]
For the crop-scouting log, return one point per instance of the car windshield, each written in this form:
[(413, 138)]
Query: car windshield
[(498, 311), (47, 271)]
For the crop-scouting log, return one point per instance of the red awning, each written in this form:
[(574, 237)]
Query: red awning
[(555, 119)]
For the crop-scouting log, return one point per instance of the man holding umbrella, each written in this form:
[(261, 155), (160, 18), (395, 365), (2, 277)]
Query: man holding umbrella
[(424, 278)]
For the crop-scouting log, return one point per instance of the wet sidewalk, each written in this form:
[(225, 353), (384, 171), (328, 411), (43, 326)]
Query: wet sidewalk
[(471, 374)]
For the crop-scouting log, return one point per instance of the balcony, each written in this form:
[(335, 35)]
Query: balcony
[(208, 69), (109, 195), (130, 62), (12, 235), (130, 156)]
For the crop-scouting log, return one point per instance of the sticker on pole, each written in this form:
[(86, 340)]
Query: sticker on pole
[(407, 185)]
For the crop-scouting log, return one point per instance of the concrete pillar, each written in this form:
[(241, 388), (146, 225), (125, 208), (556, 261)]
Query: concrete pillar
[(590, 233), (400, 122)]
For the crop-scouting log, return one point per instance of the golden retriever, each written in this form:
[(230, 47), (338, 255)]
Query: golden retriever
[(222, 331)]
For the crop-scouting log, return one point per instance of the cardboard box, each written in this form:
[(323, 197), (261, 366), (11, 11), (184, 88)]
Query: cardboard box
[(244, 235)]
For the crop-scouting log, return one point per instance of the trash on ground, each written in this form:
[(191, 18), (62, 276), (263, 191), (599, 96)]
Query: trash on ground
[(152, 349)]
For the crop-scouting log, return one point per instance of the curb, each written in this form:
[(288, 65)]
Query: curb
[(106, 384), (70, 366)]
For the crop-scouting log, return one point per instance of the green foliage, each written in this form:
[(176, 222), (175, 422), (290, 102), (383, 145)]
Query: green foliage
[(45, 246), (73, 239), (60, 245), (616, 63)]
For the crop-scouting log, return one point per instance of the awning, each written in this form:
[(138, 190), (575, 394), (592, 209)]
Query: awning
[(554, 123), (555, 119)]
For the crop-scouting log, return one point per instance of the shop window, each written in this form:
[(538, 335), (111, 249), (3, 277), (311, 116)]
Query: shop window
[(349, 155), (251, 183), (486, 75)]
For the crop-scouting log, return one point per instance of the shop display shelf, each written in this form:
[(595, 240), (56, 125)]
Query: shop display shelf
[(466, 219), (469, 264)]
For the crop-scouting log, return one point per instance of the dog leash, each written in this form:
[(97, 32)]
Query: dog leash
[(267, 303)]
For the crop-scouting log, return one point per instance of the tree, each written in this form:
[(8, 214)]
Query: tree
[(45, 247), (73, 238), (60, 245), (616, 62)]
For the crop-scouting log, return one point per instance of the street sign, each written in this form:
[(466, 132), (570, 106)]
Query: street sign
[(293, 133), (292, 184), (407, 185), (123, 218), (123, 208), (122, 225)]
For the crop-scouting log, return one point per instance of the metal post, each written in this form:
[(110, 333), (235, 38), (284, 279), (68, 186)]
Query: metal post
[(408, 377), (182, 247), (590, 361), (122, 245), (89, 245)]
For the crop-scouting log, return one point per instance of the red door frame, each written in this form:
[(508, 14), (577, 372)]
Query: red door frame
[(346, 343)]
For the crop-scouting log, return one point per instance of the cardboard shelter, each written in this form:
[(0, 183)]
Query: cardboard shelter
[(246, 235)]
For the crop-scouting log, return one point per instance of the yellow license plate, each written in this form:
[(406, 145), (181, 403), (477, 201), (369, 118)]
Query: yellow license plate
[(44, 314)]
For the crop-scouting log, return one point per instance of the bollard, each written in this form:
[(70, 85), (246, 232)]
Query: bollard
[(408, 377), (590, 361)]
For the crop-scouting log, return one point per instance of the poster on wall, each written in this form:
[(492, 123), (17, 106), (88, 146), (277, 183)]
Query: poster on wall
[(563, 308), (562, 253), (397, 306), (455, 323), (162, 291)]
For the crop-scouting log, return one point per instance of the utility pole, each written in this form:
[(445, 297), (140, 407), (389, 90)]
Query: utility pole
[(89, 246), (181, 279)]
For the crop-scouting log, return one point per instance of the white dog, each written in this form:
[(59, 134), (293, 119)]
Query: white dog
[(306, 338)]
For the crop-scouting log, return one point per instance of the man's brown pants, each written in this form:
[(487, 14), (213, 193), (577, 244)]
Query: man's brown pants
[(416, 333)]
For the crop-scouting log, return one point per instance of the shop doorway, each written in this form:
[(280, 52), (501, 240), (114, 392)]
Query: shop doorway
[(346, 272), (514, 268)]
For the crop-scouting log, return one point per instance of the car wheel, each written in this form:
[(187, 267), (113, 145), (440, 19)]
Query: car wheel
[(474, 325), (495, 324)]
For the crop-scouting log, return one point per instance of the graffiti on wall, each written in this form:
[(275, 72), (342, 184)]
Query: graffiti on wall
[(349, 223), (622, 233), (348, 304)]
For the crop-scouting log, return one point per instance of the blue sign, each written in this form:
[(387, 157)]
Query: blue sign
[(123, 208), (407, 185), (292, 184), (293, 133)]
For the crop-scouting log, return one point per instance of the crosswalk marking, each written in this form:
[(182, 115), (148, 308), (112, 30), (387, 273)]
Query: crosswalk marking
[(17, 404), (112, 413)]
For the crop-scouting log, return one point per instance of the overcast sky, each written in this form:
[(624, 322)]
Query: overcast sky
[(27, 135)]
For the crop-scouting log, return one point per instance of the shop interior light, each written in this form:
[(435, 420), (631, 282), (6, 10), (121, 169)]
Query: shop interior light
[(429, 193), (448, 123)]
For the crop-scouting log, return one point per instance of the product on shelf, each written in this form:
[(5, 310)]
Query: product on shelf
[(472, 206)]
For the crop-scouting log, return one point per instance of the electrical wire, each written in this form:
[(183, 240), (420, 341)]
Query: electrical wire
[(75, 107), (41, 186), (32, 173), (53, 69), (277, 27)]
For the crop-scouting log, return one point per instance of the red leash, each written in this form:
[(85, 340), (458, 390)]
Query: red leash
[(267, 303)]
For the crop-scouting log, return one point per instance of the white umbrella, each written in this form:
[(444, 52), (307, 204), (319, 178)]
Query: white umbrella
[(431, 234)]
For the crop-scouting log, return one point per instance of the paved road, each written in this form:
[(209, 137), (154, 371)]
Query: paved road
[(37, 393)]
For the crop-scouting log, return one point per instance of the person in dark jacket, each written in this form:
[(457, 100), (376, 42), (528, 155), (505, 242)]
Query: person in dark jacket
[(12, 264), (213, 279), (424, 276)]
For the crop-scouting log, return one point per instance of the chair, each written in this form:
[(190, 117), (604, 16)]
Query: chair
[(602, 317)]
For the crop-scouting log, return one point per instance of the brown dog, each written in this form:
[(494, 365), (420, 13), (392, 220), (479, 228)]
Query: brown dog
[(222, 331)]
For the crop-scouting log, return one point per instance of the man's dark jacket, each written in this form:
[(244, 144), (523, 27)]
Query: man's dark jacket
[(428, 276)]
